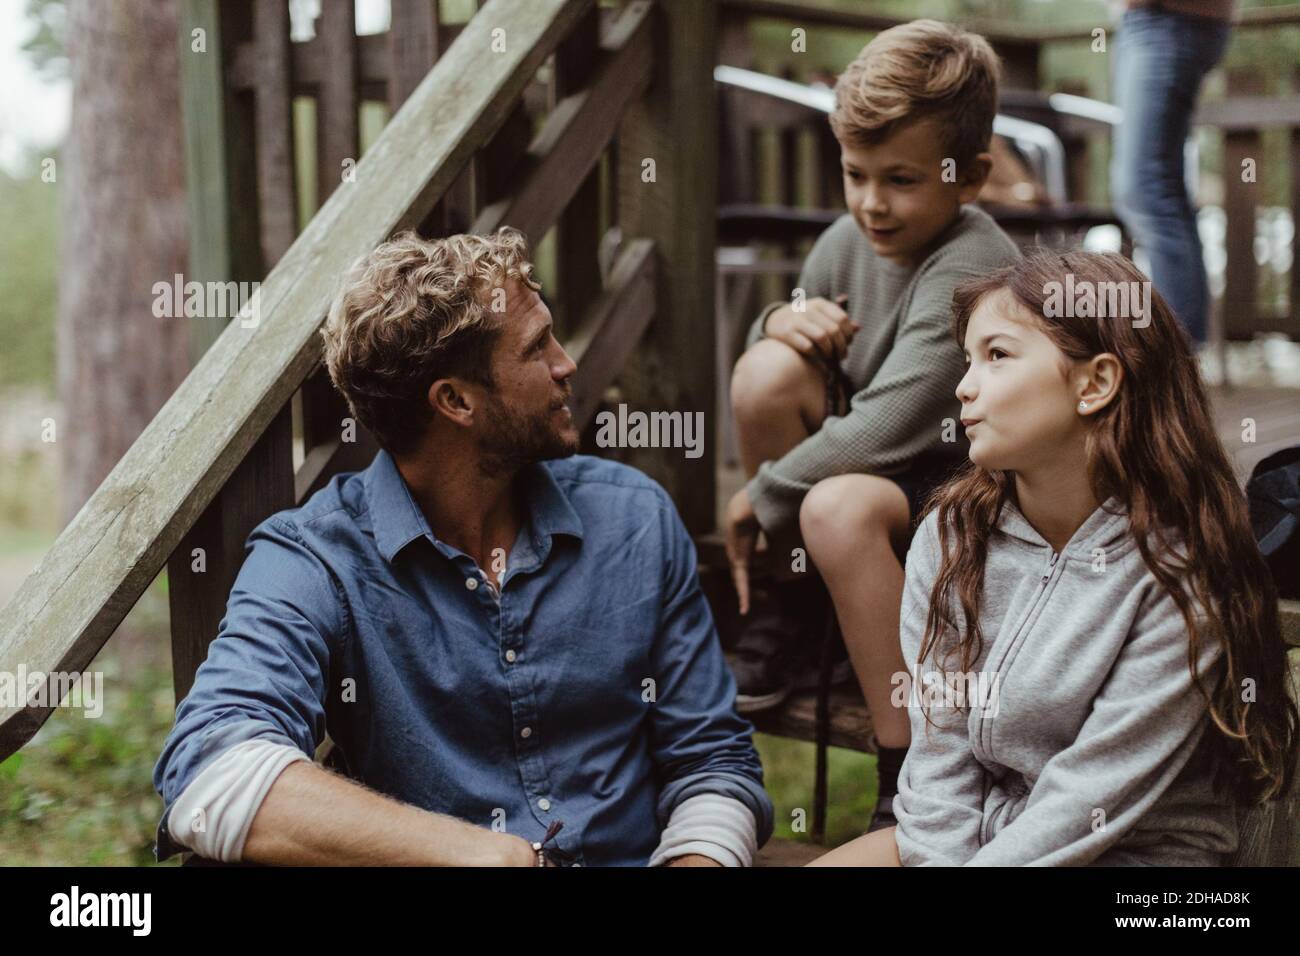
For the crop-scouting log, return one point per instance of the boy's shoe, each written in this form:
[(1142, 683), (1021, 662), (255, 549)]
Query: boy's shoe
[(761, 661), (810, 670), (779, 649)]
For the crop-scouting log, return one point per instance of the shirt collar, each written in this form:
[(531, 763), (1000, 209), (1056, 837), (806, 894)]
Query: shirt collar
[(397, 519)]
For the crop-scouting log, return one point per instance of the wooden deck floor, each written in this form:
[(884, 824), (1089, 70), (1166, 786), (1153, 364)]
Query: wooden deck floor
[(1275, 412)]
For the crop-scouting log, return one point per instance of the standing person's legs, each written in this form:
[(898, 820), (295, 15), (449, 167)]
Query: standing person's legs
[(1161, 58)]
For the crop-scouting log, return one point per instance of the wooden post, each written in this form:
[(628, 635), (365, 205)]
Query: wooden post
[(219, 164), (202, 570), (1293, 320), (578, 237), (416, 37), (734, 48), (1020, 62), (413, 47), (667, 158), (276, 189), (336, 102), (1078, 150), (1239, 204)]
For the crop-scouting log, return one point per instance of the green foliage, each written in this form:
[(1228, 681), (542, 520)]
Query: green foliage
[(46, 44), (28, 280), (81, 792), (788, 777), (28, 512)]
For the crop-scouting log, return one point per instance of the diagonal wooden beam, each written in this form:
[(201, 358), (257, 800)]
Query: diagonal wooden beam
[(578, 130), (612, 327), (101, 563)]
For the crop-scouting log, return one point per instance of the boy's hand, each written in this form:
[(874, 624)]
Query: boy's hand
[(822, 330), (740, 525)]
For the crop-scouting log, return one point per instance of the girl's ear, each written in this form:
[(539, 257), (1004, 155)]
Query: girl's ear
[(973, 177), (1099, 381)]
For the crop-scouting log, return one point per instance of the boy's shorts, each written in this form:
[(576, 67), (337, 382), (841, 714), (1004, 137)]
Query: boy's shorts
[(926, 473)]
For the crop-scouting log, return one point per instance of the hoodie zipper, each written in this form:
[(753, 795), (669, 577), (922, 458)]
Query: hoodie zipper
[(1042, 589), (1047, 573)]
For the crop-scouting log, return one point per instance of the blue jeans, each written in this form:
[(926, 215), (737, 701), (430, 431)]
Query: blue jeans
[(1160, 60)]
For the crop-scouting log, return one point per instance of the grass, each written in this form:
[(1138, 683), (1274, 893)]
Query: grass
[(788, 775), (81, 791)]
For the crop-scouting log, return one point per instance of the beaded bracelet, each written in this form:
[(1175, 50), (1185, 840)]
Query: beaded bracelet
[(539, 845)]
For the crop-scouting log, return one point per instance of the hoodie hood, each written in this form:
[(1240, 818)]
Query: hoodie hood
[(1106, 528)]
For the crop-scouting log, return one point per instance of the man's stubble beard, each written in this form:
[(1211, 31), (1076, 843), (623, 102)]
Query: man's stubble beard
[(511, 440)]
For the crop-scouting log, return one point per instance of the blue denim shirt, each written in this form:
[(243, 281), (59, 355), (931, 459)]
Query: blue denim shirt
[(591, 690)]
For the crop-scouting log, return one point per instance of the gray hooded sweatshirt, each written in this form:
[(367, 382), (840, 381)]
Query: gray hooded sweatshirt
[(1084, 741)]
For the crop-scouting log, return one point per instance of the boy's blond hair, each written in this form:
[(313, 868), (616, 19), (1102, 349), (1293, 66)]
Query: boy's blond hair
[(411, 312), (920, 69)]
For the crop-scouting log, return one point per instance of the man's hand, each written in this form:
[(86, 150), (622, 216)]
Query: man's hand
[(740, 525), (692, 859), (516, 851), (822, 330)]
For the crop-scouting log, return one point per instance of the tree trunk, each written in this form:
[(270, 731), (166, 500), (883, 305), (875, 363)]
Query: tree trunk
[(124, 228)]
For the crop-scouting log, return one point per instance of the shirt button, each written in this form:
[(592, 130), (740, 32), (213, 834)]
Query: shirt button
[(471, 583), (510, 656), (544, 803), (527, 732)]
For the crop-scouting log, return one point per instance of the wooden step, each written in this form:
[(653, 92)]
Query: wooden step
[(796, 718)]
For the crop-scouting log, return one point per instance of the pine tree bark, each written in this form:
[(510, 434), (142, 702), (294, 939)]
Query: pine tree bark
[(123, 229)]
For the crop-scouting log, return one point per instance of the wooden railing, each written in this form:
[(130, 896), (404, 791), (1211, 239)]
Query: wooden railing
[(219, 457)]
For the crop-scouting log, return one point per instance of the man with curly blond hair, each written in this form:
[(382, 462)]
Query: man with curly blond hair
[(506, 641)]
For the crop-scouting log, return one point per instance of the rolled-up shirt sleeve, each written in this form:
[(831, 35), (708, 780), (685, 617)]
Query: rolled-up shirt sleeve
[(699, 743), (265, 674), (709, 824), (213, 815)]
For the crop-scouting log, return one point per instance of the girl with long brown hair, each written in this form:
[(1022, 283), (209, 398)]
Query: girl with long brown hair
[(1096, 671)]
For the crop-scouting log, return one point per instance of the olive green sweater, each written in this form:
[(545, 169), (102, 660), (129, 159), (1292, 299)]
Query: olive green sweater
[(903, 362)]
